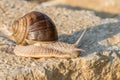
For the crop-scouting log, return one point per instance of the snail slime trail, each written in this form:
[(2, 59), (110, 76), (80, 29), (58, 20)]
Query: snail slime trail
[(37, 37)]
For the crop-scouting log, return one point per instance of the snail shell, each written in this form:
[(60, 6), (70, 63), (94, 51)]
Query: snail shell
[(34, 26)]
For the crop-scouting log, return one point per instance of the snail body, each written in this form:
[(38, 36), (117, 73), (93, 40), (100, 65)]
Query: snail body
[(51, 49), (37, 37)]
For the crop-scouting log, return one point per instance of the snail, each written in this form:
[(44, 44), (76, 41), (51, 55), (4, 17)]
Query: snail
[(37, 36)]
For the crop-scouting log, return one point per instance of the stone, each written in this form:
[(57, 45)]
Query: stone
[(101, 61)]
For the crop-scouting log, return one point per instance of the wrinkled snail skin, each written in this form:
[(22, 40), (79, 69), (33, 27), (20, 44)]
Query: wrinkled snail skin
[(51, 49)]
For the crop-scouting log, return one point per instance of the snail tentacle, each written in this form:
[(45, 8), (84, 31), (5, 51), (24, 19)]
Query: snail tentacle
[(81, 36)]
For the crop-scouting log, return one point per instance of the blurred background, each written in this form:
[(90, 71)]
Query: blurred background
[(102, 8), (16, 8)]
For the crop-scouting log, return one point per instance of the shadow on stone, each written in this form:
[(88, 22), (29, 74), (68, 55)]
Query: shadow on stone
[(94, 35)]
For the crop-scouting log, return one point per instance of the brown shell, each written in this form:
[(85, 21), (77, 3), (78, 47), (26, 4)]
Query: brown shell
[(56, 49), (34, 26)]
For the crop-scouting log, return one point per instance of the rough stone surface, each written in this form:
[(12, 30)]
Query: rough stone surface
[(101, 61)]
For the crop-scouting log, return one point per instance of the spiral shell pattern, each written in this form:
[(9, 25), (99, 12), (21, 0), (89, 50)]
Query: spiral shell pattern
[(20, 30), (34, 26)]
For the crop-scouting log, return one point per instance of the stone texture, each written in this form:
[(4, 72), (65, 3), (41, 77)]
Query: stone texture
[(101, 61)]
